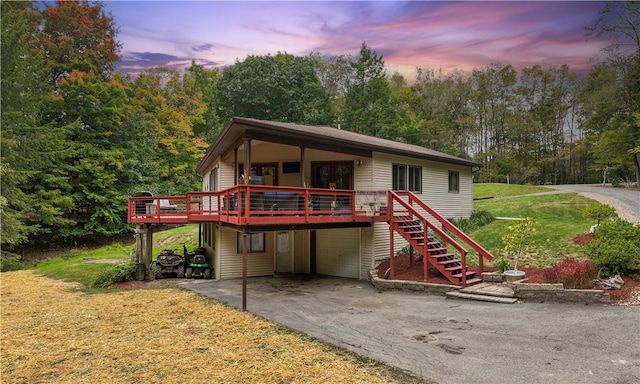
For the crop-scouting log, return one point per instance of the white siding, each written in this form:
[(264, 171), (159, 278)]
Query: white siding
[(367, 256), (338, 252), (341, 252), (258, 264), (435, 192)]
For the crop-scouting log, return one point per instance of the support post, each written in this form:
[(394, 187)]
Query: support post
[(144, 246), (302, 174), (235, 166), (244, 271), (392, 259), (410, 255), (425, 254)]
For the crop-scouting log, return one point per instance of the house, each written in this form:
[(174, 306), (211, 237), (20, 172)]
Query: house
[(280, 198)]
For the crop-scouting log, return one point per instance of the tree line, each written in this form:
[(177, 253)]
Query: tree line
[(78, 137)]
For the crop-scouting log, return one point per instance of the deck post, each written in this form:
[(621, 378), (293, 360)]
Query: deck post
[(392, 259), (144, 246), (244, 271)]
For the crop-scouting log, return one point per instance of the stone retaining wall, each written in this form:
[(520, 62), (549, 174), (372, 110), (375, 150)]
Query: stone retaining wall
[(555, 292), (550, 292), (544, 292), (404, 285)]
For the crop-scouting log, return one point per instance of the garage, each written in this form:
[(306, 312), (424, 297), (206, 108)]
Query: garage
[(338, 252)]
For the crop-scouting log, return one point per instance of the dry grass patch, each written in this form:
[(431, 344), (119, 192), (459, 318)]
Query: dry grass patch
[(53, 333)]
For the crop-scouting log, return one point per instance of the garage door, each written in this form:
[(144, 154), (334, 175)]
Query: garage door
[(338, 252)]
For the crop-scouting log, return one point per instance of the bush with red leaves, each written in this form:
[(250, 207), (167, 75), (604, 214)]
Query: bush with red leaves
[(574, 274)]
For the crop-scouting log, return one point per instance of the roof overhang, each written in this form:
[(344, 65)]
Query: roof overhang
[(238, 129)]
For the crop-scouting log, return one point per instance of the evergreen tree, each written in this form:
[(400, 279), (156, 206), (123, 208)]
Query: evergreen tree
[(368, 109), (33, 189)]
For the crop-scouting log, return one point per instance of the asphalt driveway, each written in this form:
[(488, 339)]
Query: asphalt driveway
[(627, 199), (450, 341)]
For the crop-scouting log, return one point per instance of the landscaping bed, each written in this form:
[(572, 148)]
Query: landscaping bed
[(628, 295)]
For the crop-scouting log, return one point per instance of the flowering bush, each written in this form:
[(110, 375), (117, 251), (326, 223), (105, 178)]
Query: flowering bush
[(574, 274)]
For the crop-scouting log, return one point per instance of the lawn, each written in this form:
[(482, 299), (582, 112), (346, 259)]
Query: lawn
[(502, 190), (53, 332), (560, 219), (80, 266)]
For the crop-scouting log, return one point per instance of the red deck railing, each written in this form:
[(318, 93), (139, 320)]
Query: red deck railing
[(261, 205)]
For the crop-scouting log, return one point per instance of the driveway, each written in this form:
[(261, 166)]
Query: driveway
[(625, 201), (450, 341)]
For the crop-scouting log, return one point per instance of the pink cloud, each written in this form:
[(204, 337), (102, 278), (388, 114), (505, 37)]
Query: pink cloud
[(447, 35)]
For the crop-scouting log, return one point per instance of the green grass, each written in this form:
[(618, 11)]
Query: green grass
[(175, 238), (559, 217), (80, 266), (503, 190)]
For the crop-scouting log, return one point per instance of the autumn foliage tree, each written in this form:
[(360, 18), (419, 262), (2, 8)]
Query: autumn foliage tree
[(77, 35), (171, 110), (78, 44)]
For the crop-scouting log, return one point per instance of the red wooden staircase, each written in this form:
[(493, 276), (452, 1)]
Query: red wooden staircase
[(410, 217)]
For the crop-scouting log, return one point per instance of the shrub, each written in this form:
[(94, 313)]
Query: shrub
[(10, 262), (572, 273), (476, 220), (516, 239), (115, 274), (616, 248), (405, 251), (599, 212)]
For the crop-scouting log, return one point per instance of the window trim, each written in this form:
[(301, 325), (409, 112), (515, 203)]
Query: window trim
[(454, 178), (255, 242), (408, 179)]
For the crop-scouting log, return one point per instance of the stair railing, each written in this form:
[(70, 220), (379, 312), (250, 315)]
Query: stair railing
[(395, 197), (446, 225)]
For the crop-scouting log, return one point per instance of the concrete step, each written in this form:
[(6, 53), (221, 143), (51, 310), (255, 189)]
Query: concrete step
[(478, 297)]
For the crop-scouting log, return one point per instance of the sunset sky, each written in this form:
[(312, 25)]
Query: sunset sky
[(426, 34)]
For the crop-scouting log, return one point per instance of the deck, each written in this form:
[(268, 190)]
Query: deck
[(258, 205)]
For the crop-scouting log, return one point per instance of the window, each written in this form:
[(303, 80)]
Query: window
[(267, 172), (213, 179), (255, 242), (207, 235), (407, 178), (454, 182), (332, 174)]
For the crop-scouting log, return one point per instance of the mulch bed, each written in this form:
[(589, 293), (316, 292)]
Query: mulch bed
[(405, 271)]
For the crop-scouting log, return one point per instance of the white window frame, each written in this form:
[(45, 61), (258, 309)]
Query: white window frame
[(454, 182), (255, 242), (405, 177)]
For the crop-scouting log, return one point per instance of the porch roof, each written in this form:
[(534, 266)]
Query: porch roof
[(316, 137)]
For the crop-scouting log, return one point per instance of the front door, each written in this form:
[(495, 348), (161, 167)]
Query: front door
[(284, 252)]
